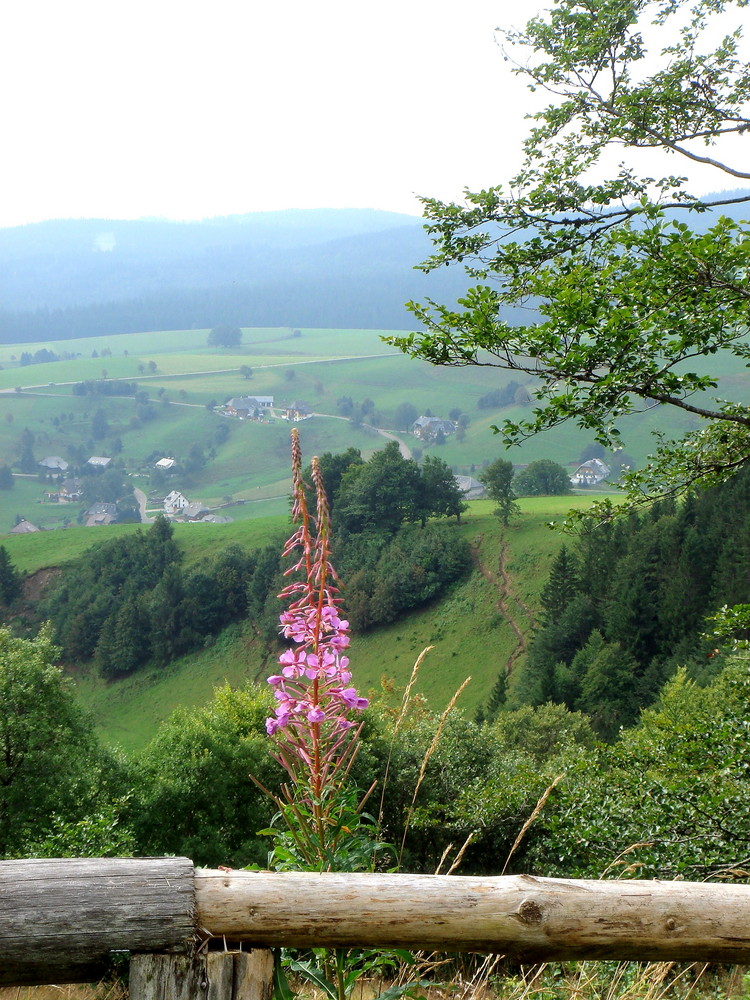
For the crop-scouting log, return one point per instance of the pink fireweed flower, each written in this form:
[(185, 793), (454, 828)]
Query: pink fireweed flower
[(313, 690)]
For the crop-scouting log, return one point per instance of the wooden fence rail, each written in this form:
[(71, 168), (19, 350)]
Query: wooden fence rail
[(61, 919)]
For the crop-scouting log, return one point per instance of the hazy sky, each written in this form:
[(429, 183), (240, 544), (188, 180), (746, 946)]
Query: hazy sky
[(186, 109), (195, 108)]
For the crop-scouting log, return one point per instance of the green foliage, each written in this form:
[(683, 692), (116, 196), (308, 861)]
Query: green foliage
[(225, 336), (52, 771), (392, 575), (647, 584), (607, 677), (668, 800), (351, 842), (441, 496), (543, 478), (478, 780), (101, 833), (130, 599), (105, 578), (106, 487), (332, 468), (562, 586), (10, 580), (99, 426), (497, 479), (635, 279), (379, 495), (383, 493), (405, 415), (194, 796)]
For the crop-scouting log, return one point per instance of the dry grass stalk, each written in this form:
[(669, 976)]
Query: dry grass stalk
[(537, 809), (618, 861), (427, 757), (405, 702), (460, 856)]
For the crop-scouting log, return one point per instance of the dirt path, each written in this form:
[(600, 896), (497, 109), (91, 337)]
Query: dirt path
[(503, 583), (163, 376), (403, 447), (141, 498)]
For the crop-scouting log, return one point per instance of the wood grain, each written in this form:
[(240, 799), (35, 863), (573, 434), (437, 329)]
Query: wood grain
[(213, 975), (531, 919), (61, 919)]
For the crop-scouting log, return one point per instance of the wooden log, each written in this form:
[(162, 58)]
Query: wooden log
[(61, 919), (213, 975), (527, 918)]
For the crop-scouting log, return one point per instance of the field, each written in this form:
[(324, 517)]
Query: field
[(477, 630), (249, 466), (473, 629)]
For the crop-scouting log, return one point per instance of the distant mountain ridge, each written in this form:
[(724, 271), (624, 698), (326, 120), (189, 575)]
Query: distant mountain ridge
[(346, 268), (351, 268)]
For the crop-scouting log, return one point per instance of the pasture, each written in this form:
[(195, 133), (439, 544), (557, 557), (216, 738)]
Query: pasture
[(245, 462), (470, 628)]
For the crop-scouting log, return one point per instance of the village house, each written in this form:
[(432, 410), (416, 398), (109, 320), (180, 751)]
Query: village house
[(247, 407), (470, 487), (175, 502), (296, 412), (54, 463), (24, 527), (164, 463), (99, 461), (100, 514), (70, 491), (590, 473), (195, 511), (429, 428)]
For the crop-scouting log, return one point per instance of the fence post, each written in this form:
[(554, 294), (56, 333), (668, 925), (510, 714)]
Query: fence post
[(211, 975), (61, 918)]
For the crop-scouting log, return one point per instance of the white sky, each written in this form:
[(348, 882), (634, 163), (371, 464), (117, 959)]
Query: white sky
[(194, 108)]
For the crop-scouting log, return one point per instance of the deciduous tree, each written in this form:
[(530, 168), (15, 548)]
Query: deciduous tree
[(441, 495), (637, 282), (543, 478), (50, 756), (497, 479), (225, 336)]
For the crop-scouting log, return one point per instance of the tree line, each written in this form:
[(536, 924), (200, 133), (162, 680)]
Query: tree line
[(626, 604), (680, 774), (131, 601)]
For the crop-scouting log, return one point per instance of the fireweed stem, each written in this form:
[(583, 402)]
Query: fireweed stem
[(314, 735)]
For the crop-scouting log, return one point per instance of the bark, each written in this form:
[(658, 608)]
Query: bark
[(61, 919), (530, 919), (213, 975)]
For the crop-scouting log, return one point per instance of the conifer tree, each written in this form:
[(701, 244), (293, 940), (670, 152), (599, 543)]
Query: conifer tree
[(10, 581), (608, 685), (562, 586)]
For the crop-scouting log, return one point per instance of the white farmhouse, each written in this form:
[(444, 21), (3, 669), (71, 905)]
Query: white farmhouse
[(590, 473), (174, 502)]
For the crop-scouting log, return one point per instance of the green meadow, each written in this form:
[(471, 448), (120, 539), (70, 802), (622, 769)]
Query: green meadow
[(183, 378), (471, 636)]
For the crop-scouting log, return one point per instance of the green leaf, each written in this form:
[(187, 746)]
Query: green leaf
[(281, 988), (314, 975)]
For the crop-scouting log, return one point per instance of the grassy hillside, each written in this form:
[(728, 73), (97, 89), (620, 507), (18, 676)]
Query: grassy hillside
[(182, 376), (477, 629)]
